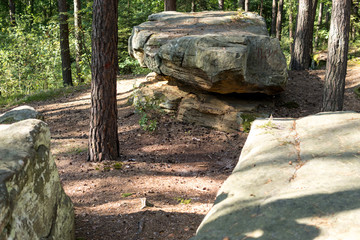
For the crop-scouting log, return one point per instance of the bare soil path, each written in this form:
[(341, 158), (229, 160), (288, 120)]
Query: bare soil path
[(178, 168)]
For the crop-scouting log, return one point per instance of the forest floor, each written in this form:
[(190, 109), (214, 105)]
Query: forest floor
[(178, 168)]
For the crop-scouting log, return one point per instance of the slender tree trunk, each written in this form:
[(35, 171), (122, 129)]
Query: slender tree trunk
[(12, 12), (170, 5), (291, 27), (247, 5), (279, 19), (261, 7), (319, 22), (273, 18), (333, 97), (312, 23), (103, 137), (193, 5), (327, 17), (242, 4), (64, 44), (78, 38), (300, 58), (221, 4)]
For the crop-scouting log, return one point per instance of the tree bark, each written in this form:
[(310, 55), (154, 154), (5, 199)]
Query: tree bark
[(64, 44), (242, 4), (273, 18), (193, 6), (312, 23), (261, 7), (103, 137), (333, 96), (170, 5), (291, 27), (78, 38), (319, 22), (247, 5), (221, 4), (12, 12), (300, 58), (279, 19)]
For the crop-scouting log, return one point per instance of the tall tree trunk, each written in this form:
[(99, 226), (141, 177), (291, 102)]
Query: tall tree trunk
[(291, 26), (312, 23), (78, 38), (103, 137), (64, 44), (300, 58), (279, 19), (327, 17), (333, 96), (12, 12), (319, 22), (193, 5), (261, 7), (170, 5), (247, 5), (242, 4), (221, 4), (273, 18)]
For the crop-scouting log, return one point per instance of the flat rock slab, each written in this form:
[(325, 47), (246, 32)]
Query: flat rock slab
[(221, 52), (295, 179)]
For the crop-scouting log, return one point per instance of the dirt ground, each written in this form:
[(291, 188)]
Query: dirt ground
[(177, 169)]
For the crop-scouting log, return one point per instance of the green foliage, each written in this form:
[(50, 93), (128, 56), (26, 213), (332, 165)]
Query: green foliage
[(247, 120), (126, 195), (148, 108), (183, 200)]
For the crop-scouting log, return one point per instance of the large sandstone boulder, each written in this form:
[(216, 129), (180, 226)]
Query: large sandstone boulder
[(33, 204), (221, 52), (295, 179)]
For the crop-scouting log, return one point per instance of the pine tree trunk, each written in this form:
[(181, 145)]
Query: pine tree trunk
[(273, 18), (312, 23), (279, 19), (12, 12), (291, 27), (300, 58), (242, 4), (221, 4), (261, 7), (193, 6), (247, 5), (170, 5), (78, 38), (103, 137), (64, 44), (319, 22), (333, 96)]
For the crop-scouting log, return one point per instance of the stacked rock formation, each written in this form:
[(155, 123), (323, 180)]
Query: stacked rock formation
[(209, 55)]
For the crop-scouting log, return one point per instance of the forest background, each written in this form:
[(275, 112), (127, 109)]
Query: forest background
[(30, 54)]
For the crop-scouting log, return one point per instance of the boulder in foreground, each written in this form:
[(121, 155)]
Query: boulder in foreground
[(33, 204), (295, 179)]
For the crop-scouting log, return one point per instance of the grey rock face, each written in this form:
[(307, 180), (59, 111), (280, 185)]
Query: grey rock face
[(19, 114), (295, 179), (33, 204), (222, 52)]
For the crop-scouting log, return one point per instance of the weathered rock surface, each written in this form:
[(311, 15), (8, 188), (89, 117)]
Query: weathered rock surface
[(33, 204), (295, 179), (222, 52), (226, 113), (19, 114)]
